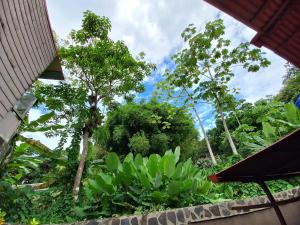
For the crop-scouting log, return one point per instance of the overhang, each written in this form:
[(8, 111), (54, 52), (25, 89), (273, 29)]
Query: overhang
[(279, 160), (276, 21)]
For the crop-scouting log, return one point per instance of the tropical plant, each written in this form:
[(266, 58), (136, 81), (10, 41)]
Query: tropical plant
[(143, 182), (274, 126)]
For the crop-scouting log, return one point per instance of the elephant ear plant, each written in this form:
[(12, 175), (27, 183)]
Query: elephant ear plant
[(140, 183)]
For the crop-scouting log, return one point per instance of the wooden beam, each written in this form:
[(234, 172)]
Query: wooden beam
[(273, 202)]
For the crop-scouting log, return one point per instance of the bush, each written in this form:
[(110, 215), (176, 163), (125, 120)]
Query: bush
[(159, 143), (163, 125), (139, 143)]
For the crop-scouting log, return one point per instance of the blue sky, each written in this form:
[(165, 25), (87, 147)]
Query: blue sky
[(154, 27)]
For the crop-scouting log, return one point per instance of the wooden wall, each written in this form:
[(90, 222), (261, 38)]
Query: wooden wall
[(27, 48)]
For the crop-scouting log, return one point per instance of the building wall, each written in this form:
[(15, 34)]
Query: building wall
[(217, 214), (27, 50)]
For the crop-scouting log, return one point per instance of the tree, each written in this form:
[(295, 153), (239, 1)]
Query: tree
[(176, 89), (147, 128), (207, 65), (233, 105), (100, 69), (291, 85)]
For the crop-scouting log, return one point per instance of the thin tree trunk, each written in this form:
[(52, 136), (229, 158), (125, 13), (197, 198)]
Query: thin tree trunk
[(81, 164), (219, 108), (232, 145), (205, 137), (237, 119), (202, 128)]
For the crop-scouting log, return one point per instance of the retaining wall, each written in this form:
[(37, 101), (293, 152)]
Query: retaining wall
[(217, 214)]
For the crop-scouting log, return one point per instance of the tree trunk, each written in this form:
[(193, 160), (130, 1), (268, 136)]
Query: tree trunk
[(81, 164), (233, 148), (237, 119), (202, 127), (205, 136)]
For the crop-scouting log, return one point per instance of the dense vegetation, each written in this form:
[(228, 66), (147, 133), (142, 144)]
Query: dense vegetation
[(147, 128), (140, 156)]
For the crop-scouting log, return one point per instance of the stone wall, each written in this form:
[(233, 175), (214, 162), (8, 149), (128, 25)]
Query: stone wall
[(214, 214)]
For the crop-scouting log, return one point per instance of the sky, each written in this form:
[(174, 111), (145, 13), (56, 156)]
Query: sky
[(154, 27)]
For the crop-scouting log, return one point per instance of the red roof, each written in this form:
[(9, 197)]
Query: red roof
[(280, 160), (277, 23)]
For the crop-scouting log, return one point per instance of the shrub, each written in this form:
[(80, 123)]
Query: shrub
[(139, 143), (143, 183)]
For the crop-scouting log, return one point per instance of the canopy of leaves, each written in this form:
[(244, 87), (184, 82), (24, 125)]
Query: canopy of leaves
[(99, 70), (207, 62), (149, 128)]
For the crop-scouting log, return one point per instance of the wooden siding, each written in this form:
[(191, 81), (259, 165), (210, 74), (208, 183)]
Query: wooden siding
[(27, 48)]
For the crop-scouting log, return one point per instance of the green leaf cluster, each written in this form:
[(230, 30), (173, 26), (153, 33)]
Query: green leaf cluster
[(123, 187), (149, 127)]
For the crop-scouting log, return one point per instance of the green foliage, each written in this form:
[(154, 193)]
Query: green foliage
[(291, 85), (100, 69), (34, 221), (24, 205), (149, 128), (2, 217), (273, 128), (143, 182), (139, 143), (216, 57), (30, 156), (205, 67), (124, 183)]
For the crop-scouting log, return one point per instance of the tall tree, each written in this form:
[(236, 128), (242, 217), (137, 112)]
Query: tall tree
[(100, 69), (208, 63), (177, 89)]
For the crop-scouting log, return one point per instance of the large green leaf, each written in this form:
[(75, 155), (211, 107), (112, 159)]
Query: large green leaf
[(144, 178), (177, 153), (168, 164), (152, 164), (112, 162), (174, 188), (269, 131), (292, 113), (105, 183)]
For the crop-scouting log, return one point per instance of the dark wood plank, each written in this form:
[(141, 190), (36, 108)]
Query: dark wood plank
[(6, 74), (31, 35), (20, 30)]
